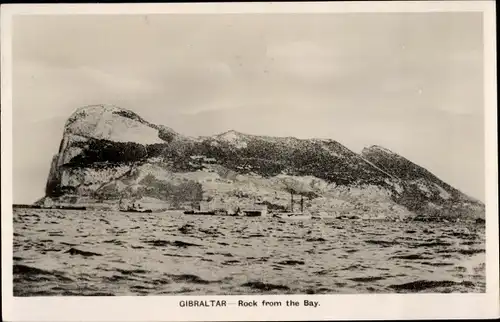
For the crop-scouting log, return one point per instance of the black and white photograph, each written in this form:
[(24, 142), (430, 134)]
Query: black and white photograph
[(219, 154)]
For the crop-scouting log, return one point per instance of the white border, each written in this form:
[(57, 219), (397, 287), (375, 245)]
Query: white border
[(338, 307)]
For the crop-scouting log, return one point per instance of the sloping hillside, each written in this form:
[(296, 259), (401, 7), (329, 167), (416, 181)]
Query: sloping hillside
[(110, 156)]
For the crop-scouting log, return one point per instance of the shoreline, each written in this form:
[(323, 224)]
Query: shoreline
[(182, 212)]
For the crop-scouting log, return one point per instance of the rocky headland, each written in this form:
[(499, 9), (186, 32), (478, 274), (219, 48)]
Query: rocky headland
[(111, 158)]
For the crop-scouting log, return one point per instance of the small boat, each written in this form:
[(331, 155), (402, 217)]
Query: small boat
[(291, 215), (136, 210), (193, 212), (134, 207), (71, 207)]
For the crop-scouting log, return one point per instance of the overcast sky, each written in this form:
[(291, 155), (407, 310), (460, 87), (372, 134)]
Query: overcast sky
[(412, 83)]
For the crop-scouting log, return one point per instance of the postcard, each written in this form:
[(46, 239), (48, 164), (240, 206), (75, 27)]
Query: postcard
[(249, 161)]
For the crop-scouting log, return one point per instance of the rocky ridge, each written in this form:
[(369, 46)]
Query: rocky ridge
[(110, 157)]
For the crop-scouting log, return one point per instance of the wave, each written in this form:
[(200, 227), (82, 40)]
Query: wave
[(172, 255), (265, 286), (75, 251), (176, 243), (421, 285)]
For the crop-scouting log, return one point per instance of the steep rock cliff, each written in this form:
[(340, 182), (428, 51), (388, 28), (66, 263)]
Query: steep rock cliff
[(110, 156)]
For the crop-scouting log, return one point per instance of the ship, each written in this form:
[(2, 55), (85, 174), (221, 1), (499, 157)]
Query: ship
[(125, 206), (214, 209), (294, 215)]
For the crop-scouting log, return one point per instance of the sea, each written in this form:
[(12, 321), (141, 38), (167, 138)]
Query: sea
[(105, 253)]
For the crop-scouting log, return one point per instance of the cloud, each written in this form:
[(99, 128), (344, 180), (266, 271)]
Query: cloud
[(114, 83)]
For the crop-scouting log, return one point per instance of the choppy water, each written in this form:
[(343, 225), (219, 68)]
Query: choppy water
[(70, 252)]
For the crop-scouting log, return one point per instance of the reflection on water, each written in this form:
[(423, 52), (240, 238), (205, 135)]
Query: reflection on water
[(70, 252)]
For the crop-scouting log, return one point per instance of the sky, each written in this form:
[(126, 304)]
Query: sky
[(410, 82)]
